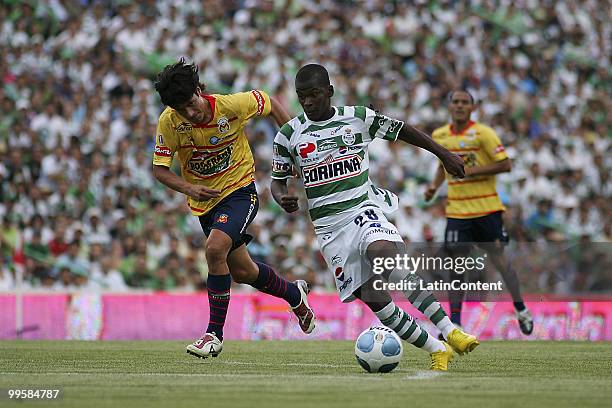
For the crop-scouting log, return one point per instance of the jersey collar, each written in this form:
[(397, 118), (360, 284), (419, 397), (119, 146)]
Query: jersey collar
[(453, 133), (212, 101), (323, 121)]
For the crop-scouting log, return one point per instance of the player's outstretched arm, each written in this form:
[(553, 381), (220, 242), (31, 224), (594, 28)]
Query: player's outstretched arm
[(503, 166), (435, 184), (176, 183), (280, 193), (451, 162), (278, 112)]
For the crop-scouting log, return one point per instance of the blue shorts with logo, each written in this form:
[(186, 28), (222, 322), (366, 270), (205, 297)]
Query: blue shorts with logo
[(233, 215), (489, 228)]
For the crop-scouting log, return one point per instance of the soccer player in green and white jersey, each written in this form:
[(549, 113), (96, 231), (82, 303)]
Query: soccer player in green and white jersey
[(328, 147)]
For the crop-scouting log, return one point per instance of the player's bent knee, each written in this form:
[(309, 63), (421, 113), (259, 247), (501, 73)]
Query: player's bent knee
[(216, 252)]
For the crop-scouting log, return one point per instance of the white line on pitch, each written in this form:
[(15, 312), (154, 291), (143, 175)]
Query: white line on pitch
[(424, 375), (228, 375)]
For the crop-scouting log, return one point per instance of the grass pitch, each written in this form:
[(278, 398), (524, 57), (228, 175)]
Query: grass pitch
[(304, 374)]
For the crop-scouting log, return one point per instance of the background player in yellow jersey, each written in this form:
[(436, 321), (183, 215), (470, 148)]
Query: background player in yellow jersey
[(474, 209), (207, 134)]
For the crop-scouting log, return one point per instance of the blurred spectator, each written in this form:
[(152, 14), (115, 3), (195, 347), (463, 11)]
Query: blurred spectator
[(79, 121), (7, 280)]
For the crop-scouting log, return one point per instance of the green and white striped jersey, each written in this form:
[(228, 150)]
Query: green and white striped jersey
[(332, 158)]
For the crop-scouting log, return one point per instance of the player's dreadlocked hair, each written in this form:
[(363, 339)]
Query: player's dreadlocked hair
[(177, 83)]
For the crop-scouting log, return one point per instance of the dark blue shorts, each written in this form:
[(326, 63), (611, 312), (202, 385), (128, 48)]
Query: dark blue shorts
[(489, 228), (233, 215)]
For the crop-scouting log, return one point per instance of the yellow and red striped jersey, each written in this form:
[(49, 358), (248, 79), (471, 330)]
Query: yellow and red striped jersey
[(478, 145), (215, 154)]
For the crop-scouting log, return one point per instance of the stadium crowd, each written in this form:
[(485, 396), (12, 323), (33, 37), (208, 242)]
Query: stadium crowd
[(79, 117)]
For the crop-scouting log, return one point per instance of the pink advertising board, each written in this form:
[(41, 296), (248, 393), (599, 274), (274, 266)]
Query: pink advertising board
[(165, 316)]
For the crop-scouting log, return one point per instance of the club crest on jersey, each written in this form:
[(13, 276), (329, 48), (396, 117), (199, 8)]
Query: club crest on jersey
[(339, 273), (348, 137), (183, 127), (223, 125), (222, 218), (304, 149), (332, 170)]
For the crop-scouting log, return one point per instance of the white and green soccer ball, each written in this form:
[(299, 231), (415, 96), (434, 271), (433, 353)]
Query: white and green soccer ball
[(378, 349)]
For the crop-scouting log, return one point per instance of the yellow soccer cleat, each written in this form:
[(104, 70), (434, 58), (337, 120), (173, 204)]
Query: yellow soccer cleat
[(440, 359), (462, 342)]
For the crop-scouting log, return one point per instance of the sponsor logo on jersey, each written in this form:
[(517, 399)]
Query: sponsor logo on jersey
[(216, 139), (160, 139), (223, 125), (393, 126), (336, 130), (336, 260), (499, 149), (380, 230), (326, 236), (261, 102), (345, 284), (280, 167), (222, 218), (339, 273), (327, 144), (207, 164), (336, 169), (163, 151), (312, 134), (184, 127), (343, 150), (348, 137), (304, 149)]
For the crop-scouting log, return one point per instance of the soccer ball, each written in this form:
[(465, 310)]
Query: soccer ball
[(378, 350)]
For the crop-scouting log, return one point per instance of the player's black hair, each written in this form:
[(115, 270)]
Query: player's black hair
[(450, 96), (314, 73), (177, 83)]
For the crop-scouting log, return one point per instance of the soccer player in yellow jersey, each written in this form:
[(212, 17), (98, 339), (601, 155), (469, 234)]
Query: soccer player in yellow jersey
[(206, 132), (474, 209)]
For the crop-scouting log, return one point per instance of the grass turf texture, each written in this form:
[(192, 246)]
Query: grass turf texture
[(304, 373)]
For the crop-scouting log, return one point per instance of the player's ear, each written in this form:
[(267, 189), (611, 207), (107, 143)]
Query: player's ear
[(200, 89), (330, 90)]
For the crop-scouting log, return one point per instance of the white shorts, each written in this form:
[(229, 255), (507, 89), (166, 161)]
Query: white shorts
[(344, 250)]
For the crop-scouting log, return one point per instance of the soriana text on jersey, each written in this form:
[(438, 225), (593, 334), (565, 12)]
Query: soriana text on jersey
[(334, 170)]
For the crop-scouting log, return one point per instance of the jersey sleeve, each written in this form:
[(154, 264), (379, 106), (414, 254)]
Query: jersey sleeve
[(166, 143), (253, 103), (379, 125), (493, 147), (281, 157)]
